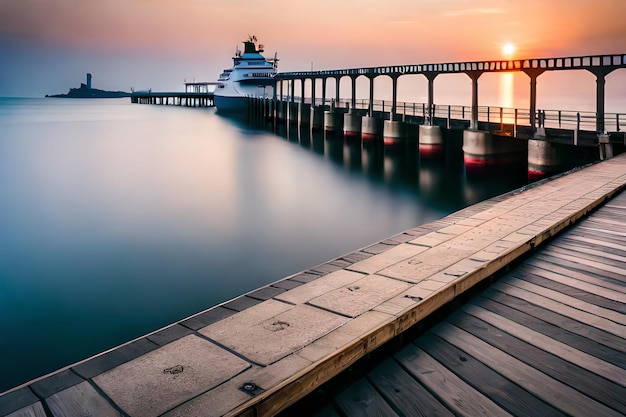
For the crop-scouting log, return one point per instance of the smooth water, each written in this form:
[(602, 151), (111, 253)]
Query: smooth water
[(118, 219)]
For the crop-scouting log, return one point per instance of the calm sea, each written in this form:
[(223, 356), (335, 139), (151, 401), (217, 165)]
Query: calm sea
[(118, 219)]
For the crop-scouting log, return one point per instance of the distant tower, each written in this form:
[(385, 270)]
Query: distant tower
[(89, 81)]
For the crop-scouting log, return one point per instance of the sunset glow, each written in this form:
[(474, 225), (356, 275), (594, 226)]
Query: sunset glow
[(158, 44), (508, 50)]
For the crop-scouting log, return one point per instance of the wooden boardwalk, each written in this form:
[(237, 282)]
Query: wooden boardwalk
[(547, 339), (543, 339)]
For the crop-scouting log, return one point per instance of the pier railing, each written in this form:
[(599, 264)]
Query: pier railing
[(557, 119)]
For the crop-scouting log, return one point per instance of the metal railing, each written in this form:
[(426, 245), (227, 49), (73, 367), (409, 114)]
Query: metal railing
[(556, 119)]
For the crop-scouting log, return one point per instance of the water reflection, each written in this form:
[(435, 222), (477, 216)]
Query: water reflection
[(505, 90), (440, 184)]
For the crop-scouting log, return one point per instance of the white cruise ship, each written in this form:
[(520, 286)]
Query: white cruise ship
[(252, 75)]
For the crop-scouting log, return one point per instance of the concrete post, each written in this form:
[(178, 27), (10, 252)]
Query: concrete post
[(548, 158), (483, 151), (431, 144), (312, 92), (337, 81), (474, 75), (600, 74), (304, 113), (292, 90), (533, 73), (371, 128), (371, 103), (302, 90), (353, 82), (430, 76), (606, 148), (394, 95), (352, 124), (324, 92)]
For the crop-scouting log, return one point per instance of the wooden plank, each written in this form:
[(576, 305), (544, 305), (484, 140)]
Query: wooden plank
[(601, 230), (604, 244), (555, 332), (600, 311), (556, 393), (588, 383), (361, 399), (610, 223), (574, 263), (451, 390), (590, 283), (592, 221), (546, 263), (571, 325), (565, 310), (405, 394), (597, 257), (33, 410), (606, 213), (80, 400), (555, 263), (600, 251), (579, 231), (569, 290), (552, 346), (614, 316), (502, 391)]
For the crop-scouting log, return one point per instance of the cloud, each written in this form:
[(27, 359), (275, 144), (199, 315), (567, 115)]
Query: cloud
[(472, 12)]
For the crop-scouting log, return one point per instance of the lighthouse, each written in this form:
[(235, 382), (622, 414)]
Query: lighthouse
[(89, 81)]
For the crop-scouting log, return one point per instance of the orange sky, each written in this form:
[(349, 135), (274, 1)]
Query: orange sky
[(196, 38)]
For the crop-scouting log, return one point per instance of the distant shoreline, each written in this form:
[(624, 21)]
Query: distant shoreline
[(85, 91), (90, 93)]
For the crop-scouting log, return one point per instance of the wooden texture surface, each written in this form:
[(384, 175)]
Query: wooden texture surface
[(549, 338)]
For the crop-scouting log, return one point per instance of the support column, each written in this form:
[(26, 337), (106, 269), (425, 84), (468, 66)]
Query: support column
[(533, 73), (337, 81), (352, 119), (302, 90), (474, 75), (371, 103), (600, 74), (394, 95), (430, 76), (313, 92), (324, 91), (353, 101), (371, 127), (292, 90)]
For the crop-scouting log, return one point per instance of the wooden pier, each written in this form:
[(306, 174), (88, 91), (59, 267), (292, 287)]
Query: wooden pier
[(548, 338), (186, 99), (197, 94), (260, 353)]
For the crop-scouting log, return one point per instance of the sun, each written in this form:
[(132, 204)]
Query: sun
[(508, 50)]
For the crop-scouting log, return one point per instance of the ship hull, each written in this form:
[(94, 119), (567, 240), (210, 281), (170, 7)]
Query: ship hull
[(229, 104)]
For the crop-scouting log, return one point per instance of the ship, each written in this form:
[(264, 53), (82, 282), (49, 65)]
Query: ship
[(252, 75)]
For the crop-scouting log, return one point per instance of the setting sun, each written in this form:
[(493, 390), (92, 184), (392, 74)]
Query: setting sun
[(508, 50)]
